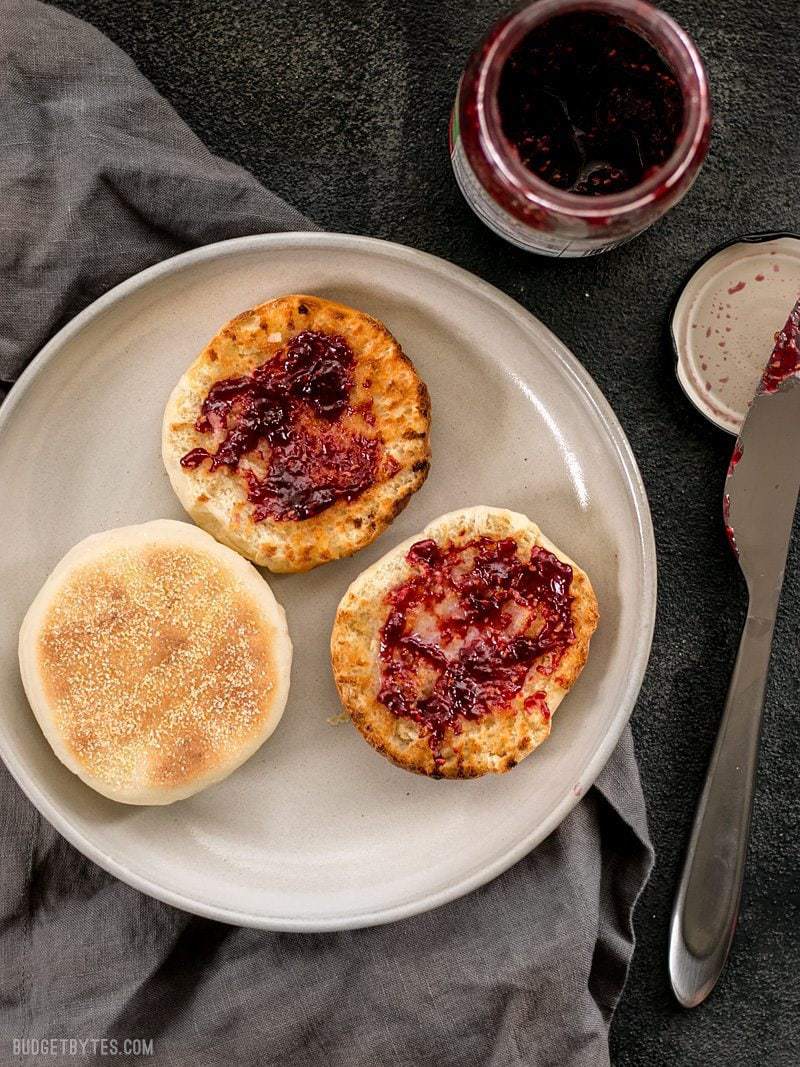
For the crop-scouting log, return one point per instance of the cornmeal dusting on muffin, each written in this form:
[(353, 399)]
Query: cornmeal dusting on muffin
[(157, 665)]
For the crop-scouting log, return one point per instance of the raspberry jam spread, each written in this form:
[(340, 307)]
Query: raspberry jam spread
[(785, 358), (465, 630), (589, 105), (287, 418)]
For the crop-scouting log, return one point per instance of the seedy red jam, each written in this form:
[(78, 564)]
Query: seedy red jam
[(738, 452), (589, 105), (465, 631), (287, 418), (726, 519), (785, 358)]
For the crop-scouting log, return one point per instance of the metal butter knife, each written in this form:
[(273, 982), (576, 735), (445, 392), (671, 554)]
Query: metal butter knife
[(761, 492)]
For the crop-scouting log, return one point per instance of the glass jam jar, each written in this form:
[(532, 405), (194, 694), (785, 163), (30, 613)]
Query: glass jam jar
[(620, 35)]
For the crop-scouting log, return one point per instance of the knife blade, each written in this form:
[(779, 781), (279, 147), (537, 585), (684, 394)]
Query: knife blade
[(761, 492), (763, 478)]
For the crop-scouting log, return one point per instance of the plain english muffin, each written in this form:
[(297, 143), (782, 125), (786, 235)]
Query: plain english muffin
[(298, 433), (453, 651), (155, 660)]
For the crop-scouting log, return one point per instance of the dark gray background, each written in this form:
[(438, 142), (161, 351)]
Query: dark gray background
[(341, 106)]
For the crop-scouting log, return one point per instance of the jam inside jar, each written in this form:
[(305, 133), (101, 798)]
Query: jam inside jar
[(578, 123), (589, 105)]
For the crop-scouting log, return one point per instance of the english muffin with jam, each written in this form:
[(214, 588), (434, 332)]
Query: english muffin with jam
[(298, 434), (155, 660), (453, 651)]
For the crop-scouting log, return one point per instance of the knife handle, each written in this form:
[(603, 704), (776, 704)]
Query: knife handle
[(707, 905)]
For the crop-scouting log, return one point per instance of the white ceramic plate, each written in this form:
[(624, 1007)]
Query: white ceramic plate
[(317, 831)]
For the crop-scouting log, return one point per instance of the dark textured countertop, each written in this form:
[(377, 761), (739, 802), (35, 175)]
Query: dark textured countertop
[(342, 108)]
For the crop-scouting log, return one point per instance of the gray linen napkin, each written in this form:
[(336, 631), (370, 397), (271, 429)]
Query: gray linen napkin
[(99, 179)]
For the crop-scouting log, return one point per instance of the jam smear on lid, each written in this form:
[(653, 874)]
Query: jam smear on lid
[(287, 416), (465, 630), (589, 105)]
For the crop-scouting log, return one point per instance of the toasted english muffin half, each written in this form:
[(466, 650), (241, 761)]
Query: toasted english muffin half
[(322, 446), (155, 660), (452, 652)]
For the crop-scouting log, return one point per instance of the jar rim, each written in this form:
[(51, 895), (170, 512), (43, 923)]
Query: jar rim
[(672, 43)]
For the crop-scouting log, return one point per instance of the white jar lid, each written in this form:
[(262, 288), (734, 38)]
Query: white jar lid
[(725, 319)]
